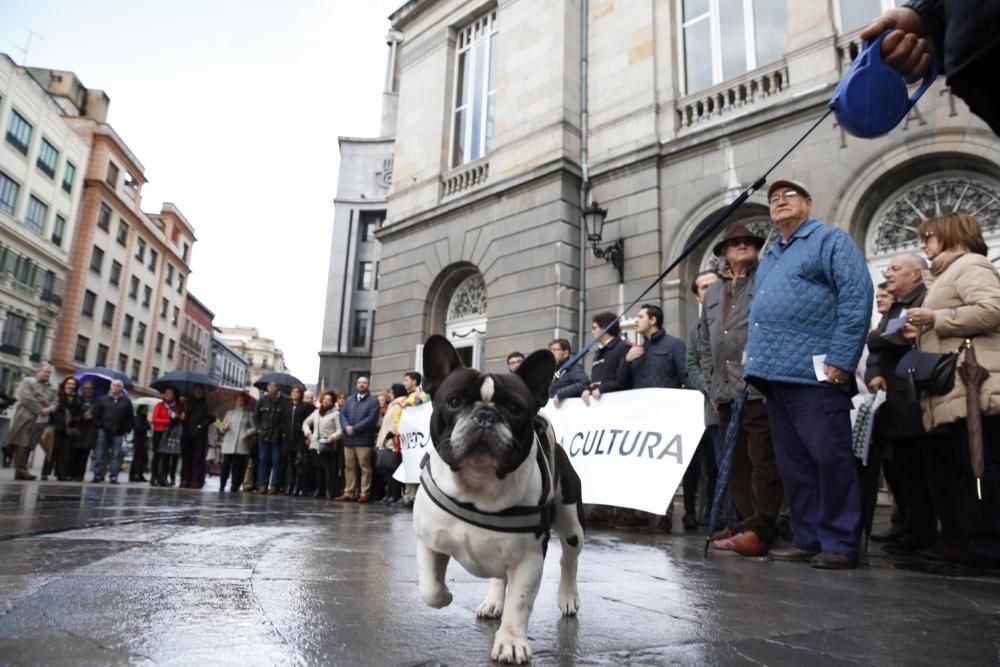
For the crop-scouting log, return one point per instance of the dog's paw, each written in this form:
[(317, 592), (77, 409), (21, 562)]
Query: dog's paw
[(437, 596), (510, 648), (569, 602), (490, 608)]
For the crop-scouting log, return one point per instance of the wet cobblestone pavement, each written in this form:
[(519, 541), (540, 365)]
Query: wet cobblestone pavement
[(94, 574)]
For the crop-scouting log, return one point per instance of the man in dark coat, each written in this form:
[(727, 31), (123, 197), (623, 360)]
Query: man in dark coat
[(609, 355), (114, 418), (359, 419), (572, 382), (931, 495), (272, 415), (194, 446)]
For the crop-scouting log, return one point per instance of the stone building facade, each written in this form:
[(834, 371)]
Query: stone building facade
[(41, 179), (196, 336), (261, 354), (685, 105), (228, 368)]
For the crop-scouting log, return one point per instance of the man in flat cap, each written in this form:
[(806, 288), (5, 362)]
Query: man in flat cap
[(754, 483), (808, 321)]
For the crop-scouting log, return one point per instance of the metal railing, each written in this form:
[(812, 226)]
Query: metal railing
[(733, 95)]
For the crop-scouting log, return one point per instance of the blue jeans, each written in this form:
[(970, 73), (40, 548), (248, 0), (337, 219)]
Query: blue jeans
[(269, 471), (116, 455)]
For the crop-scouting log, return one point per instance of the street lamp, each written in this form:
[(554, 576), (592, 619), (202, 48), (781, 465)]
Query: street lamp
[(593, 217)]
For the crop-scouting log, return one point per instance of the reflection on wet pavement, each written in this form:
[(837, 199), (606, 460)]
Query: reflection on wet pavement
[(94, 574)]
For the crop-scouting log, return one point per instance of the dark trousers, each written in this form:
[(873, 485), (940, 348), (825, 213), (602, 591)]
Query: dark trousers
[(292, 472), (193, 451), (78, 463), (328, 474), (755, 484), (269, 472), (983, 513), (62, 447), (692, 477), (932, 476), (811, 428), (166, 470), (139, 457), (236, 465)]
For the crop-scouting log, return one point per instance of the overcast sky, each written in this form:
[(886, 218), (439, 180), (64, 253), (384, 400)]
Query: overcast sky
[(234, 108)]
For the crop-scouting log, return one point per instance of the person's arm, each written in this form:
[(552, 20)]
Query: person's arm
[(310, 425), (370, 418), (625, 372), (692, 359), (918, 29), (613, 363), (577, 382), (848, 275), (29, 399), (978, 287), (680, 367)]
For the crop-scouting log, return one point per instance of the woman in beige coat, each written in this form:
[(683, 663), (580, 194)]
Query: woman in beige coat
[(239, 430), (963, 303)]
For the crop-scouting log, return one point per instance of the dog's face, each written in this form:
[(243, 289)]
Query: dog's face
[(483, 422)]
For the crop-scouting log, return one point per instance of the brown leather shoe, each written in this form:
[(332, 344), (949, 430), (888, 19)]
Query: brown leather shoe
[(793, 555), (345, 498), (272, 490), (262, 490), (748, 544), (363, 499), (828, 560)]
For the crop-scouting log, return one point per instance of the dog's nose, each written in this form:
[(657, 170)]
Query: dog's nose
[(485, 418)]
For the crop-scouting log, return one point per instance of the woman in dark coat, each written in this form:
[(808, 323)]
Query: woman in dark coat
[(140, 436), (295, 445), (66, 423), (82, 445)]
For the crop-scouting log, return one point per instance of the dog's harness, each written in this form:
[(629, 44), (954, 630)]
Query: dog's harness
[(535, 519)]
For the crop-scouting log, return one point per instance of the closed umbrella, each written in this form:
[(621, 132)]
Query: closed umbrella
[(725, 463), (974, 375), (284, 380), (183, 382)]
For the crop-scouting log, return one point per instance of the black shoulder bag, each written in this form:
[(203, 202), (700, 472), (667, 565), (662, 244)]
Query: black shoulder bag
[(930, 372)]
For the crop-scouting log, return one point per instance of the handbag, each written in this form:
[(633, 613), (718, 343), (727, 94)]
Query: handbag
[(930, 372), (387, 460)]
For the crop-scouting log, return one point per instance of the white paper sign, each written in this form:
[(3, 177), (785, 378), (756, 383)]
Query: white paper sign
[(630, 448)]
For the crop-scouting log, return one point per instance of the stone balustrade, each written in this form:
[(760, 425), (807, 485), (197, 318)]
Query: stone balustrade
[(732, 95), (464, 178)]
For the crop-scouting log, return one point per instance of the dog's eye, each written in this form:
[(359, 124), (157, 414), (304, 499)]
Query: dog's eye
[(455, 402), (514, 409)]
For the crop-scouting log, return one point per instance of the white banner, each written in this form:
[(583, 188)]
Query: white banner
[(630, 448)]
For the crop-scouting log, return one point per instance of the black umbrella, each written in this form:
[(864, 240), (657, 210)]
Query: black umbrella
[(284, 380), (726, 463), (183, 382), (102, 375)]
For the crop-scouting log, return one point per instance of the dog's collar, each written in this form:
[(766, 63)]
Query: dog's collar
[(535, 519)]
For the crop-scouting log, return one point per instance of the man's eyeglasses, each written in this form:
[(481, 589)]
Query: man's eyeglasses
[(778, 196), (739, 242)]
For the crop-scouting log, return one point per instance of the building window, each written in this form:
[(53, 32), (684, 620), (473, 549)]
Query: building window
[(153, 256), (177, 314), (48, 157), (36, 214), (170, 348), (154, 374), (856, 14), (133, 288), (104, 217), (475, 90), (96, 260), (180, 284), (24, 270), (122, 235), (19, 132), (38, 342), (8, 193), (360, 328), (112, 176), (49, 288), (725, 38), (170, 274), (115, 275), (127, 326), (123, 362), (184, 252), (80, 354), (13, 331), (102, 356), (159, 343), (370, 222), (69, 175), (140, 250), (58, 229), (164, 307), (140, 333), (136, 367), (365, 275), (108, 319), (147, 296), (89, 301)]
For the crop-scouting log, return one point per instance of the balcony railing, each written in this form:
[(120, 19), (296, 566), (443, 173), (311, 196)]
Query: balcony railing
[(732, 96), (848, 48), (465, 177)]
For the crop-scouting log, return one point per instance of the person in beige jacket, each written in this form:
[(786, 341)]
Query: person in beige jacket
[(963, 303), (322, 430)]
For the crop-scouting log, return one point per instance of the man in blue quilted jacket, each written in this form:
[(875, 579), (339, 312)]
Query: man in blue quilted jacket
[(811, 309)]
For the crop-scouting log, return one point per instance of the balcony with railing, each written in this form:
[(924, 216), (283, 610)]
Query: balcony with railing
[(464, 178), (22, 275), (753, 89)]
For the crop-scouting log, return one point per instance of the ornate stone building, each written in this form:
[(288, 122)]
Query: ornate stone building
[(261, 354), (512, 113)]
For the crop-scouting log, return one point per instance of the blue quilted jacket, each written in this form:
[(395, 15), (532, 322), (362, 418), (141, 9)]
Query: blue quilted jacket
[(813, 296)]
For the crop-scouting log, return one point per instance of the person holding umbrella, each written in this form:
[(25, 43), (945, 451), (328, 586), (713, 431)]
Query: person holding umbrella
[(961, 313), (272, 416), (194, 447)]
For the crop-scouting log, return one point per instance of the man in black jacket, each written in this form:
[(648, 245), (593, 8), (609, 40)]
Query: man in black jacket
[(571, 383), (194, 446), (930, 494), (272, 415), (609, 355), (660, 361), (113, 417)]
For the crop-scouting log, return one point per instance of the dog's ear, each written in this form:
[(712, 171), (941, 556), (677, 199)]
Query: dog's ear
[(536, 371), (440, 359)]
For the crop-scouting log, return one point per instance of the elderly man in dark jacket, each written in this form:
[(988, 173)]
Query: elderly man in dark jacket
[(570, 383), (932, 495), (359, 420), (272, 415), (754, 482), (114, 418)]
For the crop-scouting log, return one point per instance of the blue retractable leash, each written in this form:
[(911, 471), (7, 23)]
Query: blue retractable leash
[(869, 101)]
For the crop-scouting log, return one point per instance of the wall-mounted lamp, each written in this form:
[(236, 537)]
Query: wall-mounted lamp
[(593, 217)]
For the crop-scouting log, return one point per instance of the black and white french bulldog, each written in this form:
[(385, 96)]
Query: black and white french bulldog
[(492, 485)]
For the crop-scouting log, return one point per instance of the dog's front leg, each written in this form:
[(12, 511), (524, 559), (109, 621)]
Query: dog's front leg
[(511, 641), (492, 606), (431, 567)]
